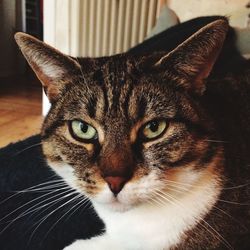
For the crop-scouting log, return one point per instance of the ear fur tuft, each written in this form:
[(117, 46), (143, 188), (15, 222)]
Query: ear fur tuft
[(192, 61), (52, 67)]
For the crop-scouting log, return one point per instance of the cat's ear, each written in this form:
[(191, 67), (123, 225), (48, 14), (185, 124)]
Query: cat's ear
[(192, 61), (53, 68)]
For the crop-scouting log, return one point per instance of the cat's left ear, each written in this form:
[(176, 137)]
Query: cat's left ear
[(192, 61), (54, 69)]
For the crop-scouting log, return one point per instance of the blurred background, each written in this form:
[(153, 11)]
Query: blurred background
[(83, 28), (20, 91)]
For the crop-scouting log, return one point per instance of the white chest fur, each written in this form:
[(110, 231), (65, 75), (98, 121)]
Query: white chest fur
[(156, 227)]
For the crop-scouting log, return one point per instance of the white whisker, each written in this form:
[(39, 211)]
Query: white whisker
[(33, 208), (32, 146), (234, 187), (193, 185), (48, 205), (177, 186), (81, 202), (18, 192), (217, 141), (234, 203), (178, 204), (163, 197), (45, 189), (44, 218), (230, 216)]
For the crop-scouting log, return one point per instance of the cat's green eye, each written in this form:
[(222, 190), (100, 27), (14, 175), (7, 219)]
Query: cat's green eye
[(154, 129), (83, 131)]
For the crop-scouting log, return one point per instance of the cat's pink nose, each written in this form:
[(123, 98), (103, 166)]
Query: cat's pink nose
[(116, 183)]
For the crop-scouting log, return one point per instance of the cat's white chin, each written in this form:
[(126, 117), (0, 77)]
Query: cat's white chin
[(116, 206), (110, 202)]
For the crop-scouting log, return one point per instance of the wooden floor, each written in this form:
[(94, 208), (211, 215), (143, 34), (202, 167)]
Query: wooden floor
[(20, 109)]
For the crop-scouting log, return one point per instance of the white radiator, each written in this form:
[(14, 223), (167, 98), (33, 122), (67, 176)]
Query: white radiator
[(98, 27)]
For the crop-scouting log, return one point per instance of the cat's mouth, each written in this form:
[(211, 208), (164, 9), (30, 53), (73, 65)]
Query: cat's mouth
[(108, 200), (118, 206), (114, 204)]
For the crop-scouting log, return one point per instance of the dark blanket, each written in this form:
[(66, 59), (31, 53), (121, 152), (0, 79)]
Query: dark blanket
[(40, 218), (26, 221)]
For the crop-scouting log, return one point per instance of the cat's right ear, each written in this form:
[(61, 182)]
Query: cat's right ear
[(53, 68)]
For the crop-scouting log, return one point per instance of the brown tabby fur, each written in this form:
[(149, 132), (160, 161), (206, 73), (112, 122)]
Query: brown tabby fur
[(208, 124)]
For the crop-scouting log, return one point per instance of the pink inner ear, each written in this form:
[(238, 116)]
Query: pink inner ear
[(52, 89), (203, 75), (53, 68)]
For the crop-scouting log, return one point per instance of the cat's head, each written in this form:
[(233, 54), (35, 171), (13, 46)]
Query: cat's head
[(126, 130)]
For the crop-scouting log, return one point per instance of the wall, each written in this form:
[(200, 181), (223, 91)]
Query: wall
[(11, 21), (235, 9)]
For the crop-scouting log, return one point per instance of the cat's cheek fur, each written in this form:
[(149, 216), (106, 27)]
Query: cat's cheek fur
[(66, 172)]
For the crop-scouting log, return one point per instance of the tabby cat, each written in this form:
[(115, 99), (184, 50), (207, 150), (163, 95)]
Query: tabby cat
[(157, 144)]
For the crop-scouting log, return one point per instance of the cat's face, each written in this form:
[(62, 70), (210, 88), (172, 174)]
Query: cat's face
[(127, 130), (136, 128)]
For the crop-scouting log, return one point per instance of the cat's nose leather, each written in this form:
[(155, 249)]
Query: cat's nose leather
[(116, 183)]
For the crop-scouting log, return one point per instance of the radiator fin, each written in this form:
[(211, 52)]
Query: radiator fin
[(102, 27)]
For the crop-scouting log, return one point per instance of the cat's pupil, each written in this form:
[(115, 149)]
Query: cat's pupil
[(84, 127), (153, 126)]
